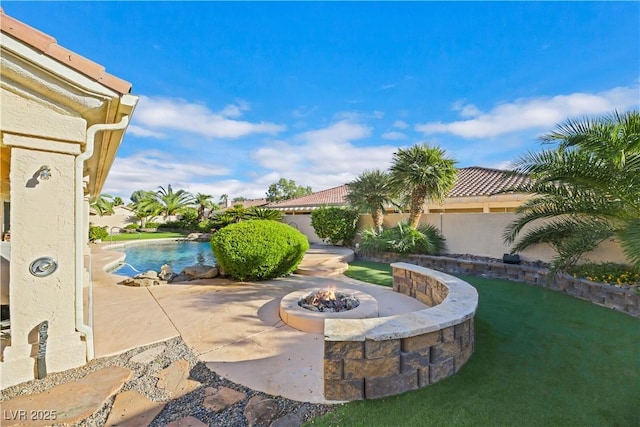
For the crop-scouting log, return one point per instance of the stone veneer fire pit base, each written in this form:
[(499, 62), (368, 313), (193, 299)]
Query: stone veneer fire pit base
[(372, 358)]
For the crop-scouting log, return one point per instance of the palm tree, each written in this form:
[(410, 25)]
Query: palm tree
[(145, 206), (223, 200), (371, 192), (422, 172), (173, 202), (103, 205), (256, 212), (587, 189), (202, 200)]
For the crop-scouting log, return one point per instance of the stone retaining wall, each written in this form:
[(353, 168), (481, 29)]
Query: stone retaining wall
[(624, 300), (372, 358)]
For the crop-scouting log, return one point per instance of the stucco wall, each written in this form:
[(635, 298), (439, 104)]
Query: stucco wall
[(471, 233), (302, 223)]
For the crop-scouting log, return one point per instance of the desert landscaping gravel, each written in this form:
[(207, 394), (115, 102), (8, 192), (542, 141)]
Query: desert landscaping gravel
[(144, 380)]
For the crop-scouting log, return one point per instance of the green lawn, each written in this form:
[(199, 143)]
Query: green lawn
[(541, 359), (142, 236)]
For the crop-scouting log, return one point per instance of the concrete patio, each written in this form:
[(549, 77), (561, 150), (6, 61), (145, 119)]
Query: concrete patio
[(234, 327)]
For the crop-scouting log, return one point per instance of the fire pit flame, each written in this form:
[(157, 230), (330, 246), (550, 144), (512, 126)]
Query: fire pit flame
[(328, 300)]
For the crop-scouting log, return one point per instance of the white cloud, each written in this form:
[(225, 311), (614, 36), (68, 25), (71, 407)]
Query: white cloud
[(142, 132), (147, 170), (324, 158), (155, 113), (400, 124), (235, 110), (466, 110), (341, 131), (394, 136), (532, 113)]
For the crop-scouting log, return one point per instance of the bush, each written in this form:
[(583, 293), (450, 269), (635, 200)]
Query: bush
[(133, 226), (170, 225), (205, 226), (403, 239), (258, 250), (338, 226), (97, 233), (152, 225), (188, 219)]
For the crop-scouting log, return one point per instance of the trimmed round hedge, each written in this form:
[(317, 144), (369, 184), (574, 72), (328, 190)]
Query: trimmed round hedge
[(258, 249)]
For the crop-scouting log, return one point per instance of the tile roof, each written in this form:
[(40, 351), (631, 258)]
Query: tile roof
[(49, 47), (249, 203), (330, 196), (478, 181), (471, 181)]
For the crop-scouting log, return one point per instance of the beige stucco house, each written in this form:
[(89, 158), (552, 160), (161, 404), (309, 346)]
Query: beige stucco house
[(62, 120)]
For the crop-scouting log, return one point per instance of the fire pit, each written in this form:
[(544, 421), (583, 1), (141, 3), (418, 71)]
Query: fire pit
[(328, 301), (306, 310)]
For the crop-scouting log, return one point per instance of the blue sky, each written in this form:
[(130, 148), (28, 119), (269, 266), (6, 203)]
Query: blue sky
[(235, 95)]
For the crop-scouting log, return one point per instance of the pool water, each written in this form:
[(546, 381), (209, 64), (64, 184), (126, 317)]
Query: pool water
[(177, 254)]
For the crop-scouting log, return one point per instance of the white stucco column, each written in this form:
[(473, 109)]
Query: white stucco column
[(42, 225)]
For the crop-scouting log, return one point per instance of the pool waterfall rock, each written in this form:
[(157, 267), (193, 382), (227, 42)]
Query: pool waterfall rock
[(166, 275)]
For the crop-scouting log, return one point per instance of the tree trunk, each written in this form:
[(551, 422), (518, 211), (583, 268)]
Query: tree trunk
[(418, 197), (377, 216)]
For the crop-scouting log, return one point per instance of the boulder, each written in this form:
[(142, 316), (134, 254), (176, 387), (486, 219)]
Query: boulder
[(139, 282), (179, 278), (166, 273), (200, 272), (199, 237), (147, 275)]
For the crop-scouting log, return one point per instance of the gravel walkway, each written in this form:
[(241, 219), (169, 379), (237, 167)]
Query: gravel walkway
[(144, 381)]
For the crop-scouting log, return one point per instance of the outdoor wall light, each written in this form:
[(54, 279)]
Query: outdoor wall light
[(45, 172), (43, 267)]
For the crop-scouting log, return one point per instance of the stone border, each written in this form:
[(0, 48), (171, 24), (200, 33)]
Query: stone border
[(623, 300), (385, 356)]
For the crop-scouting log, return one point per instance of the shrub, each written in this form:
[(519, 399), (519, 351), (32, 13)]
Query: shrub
[(258, 250), (170, 225), (404, 239), (205, 226), (188, 219), (133, 226), (97, 233), (338, 226), (152, 225)]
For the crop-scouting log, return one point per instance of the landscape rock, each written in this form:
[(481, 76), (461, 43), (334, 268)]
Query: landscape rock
[(149, 355), (199, 237), (179, 278), (166, 272), (187, 422), (136, 282), (132, 409), (147, 275), (260, 410), (218, 399), (200, 272), (70, 402), (175, 379)]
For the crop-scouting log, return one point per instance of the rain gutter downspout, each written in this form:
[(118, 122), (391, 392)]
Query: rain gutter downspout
[(79, 238)]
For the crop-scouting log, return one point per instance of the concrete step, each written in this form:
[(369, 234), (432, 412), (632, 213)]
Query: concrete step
[(334, 269)]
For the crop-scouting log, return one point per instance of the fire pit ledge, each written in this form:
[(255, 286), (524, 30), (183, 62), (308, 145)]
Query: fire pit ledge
[(373, 358)]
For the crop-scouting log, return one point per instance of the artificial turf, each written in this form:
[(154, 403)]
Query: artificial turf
[(541, 358)]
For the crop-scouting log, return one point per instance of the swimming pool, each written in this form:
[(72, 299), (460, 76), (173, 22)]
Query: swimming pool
[(152, 256)]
